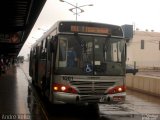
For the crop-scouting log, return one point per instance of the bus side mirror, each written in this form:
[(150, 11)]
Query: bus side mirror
[(128, 32)]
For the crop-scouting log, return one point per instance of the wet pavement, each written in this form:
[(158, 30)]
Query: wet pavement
[(14, 96), (138, 106), (13, 92), (154, 74), (19, 100)]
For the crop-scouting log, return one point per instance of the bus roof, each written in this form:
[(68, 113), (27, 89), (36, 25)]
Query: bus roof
[(83, 27)]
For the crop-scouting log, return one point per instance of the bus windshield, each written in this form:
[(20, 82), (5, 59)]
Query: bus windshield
[(90, 55)]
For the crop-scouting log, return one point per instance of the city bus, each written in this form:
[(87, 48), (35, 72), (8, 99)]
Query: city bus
[(78, 62)]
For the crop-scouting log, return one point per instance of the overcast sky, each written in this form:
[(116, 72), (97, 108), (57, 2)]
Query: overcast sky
[(144, 14)]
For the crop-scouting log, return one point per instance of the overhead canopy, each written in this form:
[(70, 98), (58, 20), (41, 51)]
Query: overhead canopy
[(16, 21)]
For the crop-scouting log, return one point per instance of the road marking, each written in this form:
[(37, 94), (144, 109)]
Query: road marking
[(36, 97)]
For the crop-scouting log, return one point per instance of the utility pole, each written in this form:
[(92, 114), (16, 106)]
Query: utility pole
[(76, 8)]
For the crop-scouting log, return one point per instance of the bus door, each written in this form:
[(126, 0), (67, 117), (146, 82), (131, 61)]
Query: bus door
[(42, 63), (51, 57), (36, 65)]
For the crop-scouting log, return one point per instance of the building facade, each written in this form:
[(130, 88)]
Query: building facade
[(144, 49)]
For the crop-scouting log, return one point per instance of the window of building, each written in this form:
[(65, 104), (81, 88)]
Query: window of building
[(142, 44)]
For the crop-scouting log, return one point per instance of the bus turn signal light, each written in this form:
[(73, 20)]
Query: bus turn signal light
[(63, 88)]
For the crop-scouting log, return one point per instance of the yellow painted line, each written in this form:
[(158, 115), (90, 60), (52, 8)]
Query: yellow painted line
[(42, 108)]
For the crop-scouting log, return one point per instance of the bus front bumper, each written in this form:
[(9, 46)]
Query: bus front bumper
[(63, 98)]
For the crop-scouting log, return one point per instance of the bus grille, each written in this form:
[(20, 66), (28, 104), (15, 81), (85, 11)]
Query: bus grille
[(90, 98), (91, 87)]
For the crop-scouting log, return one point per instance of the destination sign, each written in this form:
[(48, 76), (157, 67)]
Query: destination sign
[(90, 28), (87, 29)]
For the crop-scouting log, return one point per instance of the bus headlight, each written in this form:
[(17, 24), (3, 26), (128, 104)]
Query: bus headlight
[(55, 88), (120, 89), (63, 88), (116, 89)]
